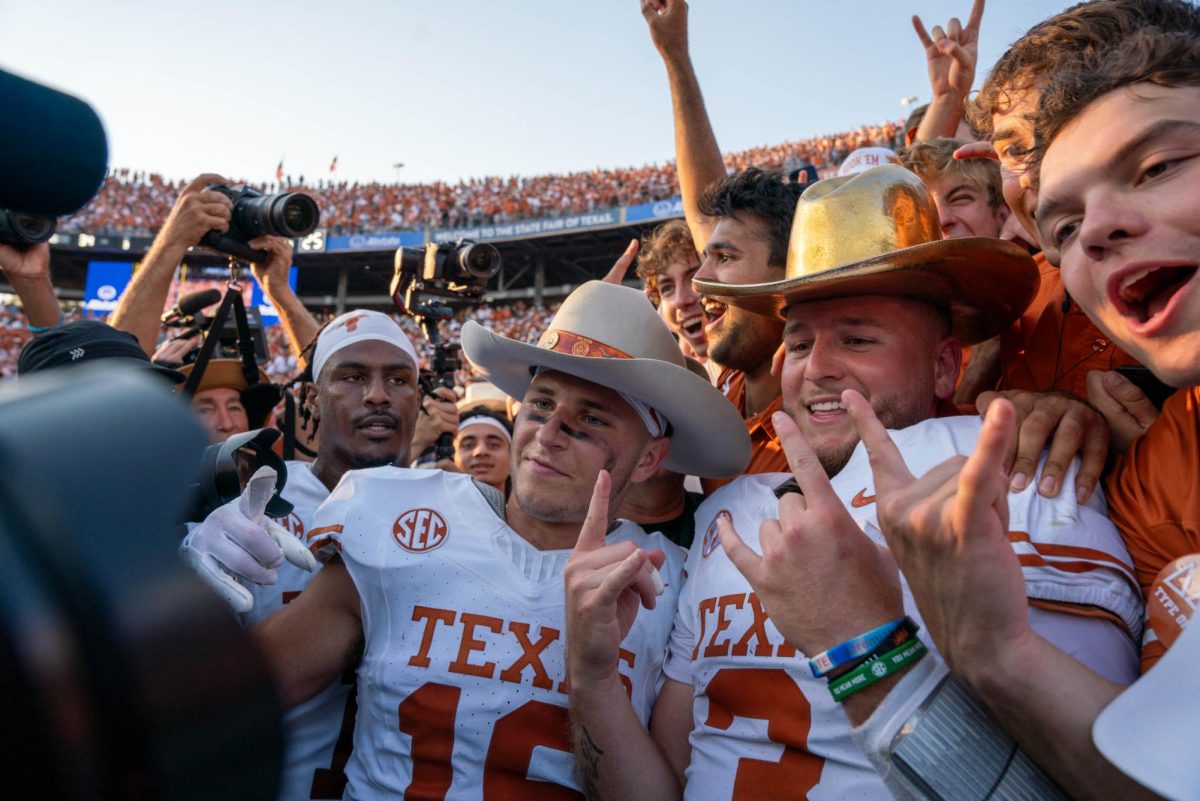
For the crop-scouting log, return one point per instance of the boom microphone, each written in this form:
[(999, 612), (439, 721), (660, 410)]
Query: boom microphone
[(53, 151), (191, 303)]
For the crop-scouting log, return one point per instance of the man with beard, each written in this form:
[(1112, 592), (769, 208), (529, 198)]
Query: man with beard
[(364, 400), (456, 606), (877, 306)]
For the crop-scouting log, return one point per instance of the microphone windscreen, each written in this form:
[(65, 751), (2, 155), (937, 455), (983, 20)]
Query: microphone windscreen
[(53, 151), (193, 302)]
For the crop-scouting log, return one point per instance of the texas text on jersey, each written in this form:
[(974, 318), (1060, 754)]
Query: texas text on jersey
[(462, 688)]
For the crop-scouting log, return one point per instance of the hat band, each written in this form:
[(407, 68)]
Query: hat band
[(574, 344)]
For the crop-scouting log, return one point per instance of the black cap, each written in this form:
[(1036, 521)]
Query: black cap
[(85, 341)]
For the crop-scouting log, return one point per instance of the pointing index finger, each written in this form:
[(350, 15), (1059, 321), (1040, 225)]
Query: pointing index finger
[(887, 463), (976, 15), (595, 525)]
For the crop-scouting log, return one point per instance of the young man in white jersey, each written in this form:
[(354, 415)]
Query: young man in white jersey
[(365, 401), (878, 303), (458, 610)]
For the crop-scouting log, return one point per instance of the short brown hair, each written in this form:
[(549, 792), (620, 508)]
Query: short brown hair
[(1066, 39), (660, 248), (1149, 56), (935, 157)]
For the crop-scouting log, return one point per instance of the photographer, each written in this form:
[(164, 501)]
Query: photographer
[(197, 211), (29, 273)]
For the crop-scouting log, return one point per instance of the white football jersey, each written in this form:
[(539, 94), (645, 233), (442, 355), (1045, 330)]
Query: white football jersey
[(319, 732), (462, 686), (763, 726)]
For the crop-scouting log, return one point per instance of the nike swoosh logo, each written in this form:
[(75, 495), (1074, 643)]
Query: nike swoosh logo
[(862, 499)]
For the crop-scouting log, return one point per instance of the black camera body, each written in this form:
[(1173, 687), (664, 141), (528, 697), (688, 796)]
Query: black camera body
[(23, 230), (289, 214), (458, 270)]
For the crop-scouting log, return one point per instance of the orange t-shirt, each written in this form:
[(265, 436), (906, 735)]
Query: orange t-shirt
[(1154, 495), (766, 454), (1049, 348)]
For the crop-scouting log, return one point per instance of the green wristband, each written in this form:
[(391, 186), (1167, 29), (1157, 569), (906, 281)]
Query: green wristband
[(878, 669)]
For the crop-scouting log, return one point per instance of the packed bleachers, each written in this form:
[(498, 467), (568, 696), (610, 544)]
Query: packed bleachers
[(137, 203)]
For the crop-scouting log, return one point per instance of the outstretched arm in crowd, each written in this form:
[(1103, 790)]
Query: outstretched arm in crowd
[(298, 323), (196, 212), (698, 159), (605, 586), (315, 638), (29, 273), (949, 533), (951, 56)]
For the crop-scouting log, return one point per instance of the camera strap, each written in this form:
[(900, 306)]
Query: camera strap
[(232, 300)]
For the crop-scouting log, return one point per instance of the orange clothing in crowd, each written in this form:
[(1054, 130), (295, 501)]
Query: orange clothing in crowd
[(766, 454), (1153, 495), (1051, 349)]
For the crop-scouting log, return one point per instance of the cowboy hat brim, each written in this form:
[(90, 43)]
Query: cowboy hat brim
[(986, 283), (708, 436)]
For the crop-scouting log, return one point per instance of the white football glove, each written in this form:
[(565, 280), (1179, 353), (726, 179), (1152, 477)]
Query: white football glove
[(238, 540)]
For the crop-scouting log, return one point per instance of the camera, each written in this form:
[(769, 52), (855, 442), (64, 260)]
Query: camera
[(289, 214), (23, 230), (458, 270), (187, 315)]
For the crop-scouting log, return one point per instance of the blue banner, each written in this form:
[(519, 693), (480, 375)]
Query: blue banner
[(106, 280), (257, 298), (397, 239), (531, 228), (659, 210)]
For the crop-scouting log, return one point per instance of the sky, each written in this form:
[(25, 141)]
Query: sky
[(468, 88)]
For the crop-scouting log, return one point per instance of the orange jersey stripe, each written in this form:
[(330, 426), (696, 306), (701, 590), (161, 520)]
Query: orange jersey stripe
[(316, 532)]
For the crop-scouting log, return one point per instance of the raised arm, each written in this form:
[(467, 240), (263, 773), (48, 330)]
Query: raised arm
[(298, 323), (698, 159), (29, 273), (951, 56), (196, 212), (605, 586)]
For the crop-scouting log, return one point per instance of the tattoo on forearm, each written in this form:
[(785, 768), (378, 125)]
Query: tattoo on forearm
[(589, 757)]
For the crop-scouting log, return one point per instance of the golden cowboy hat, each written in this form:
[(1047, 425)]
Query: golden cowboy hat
[(612, 336), (878, 233)]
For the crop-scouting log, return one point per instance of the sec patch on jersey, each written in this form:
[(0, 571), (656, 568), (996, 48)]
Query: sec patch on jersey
[(420, 530)]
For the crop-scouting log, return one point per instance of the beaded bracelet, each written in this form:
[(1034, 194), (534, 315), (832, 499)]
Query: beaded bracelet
[(876, 670), (851, 650)]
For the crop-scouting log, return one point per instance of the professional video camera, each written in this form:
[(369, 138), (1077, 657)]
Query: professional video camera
[(459, 271), (22, 230), (289, 214)]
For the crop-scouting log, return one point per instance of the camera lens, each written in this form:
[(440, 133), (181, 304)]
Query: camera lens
[(480, 261), (294, 214), (21, 229)]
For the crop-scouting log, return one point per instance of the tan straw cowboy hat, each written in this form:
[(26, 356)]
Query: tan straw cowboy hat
[(878, 233), (612, 336)]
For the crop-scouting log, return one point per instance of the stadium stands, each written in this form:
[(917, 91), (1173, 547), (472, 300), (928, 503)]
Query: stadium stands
[(136, 203)]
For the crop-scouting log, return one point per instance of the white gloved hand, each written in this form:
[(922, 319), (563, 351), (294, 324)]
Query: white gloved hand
[(238, 540)]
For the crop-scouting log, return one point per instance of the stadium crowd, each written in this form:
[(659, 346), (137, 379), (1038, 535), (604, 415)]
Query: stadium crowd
[(882, 486), (132, 202)]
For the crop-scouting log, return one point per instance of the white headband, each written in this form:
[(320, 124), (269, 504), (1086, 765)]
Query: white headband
[(484, 420), (359, 326)]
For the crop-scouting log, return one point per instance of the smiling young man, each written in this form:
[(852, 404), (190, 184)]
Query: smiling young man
[(481, 446), (1119, 215), (456, 605), (877, 303), (667, 261)]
